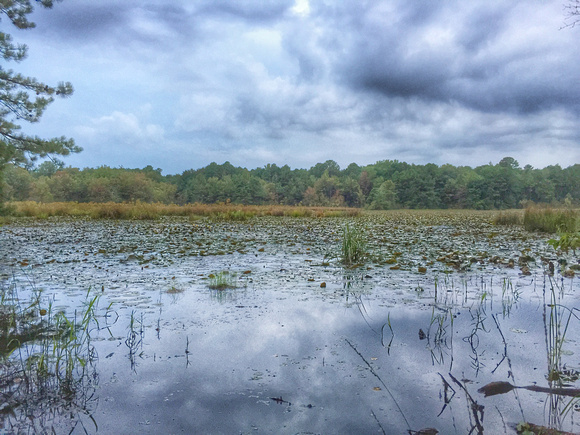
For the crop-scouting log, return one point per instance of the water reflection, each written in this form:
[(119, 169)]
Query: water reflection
[(557, 318), (263, 360), (373, 350), (48, 365), (134, 340)]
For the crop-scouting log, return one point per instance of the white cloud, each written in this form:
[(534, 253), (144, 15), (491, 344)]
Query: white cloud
[(301, 8), (122, 129)]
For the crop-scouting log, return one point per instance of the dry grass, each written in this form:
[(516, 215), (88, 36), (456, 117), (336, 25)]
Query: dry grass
[(509, 217), (141, 210)]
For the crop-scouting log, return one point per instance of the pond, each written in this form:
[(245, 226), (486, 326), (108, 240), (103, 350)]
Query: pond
[(296, 342)]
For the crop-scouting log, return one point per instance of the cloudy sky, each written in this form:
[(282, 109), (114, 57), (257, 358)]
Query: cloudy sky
[(179, 84)]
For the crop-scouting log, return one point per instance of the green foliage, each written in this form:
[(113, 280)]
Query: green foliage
[(25, 98), (100, 185), (550, 220), (325, 192), (416, 187), (384, 197), (566, 241), (354, 245), (222, 280), (330, 167), (381, 186), (50, 354)]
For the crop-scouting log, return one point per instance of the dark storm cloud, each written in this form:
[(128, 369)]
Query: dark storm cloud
[(77, 22), (481, 27), (455, 53), (250, 10), (302, 81), (113, 23)]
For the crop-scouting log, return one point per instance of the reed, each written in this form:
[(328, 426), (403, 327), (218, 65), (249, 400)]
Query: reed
[(508, 218), (551, 220), (354, 245), (46, 362), (142, 210)]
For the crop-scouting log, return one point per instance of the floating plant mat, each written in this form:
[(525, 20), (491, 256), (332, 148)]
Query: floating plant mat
[(444, 304)]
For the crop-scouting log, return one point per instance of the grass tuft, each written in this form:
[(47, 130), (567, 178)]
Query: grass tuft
[(222, 280), (235, 215), (354, 245)]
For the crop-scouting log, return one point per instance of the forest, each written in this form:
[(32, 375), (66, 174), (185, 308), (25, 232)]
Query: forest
[(386, 184)]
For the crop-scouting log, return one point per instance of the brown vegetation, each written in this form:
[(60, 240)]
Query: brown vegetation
[(142, 210)]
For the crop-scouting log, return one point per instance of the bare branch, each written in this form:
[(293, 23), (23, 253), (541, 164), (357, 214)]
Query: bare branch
[(572, 13)]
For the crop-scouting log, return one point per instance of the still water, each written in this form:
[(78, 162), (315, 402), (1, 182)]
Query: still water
[(299, 344)]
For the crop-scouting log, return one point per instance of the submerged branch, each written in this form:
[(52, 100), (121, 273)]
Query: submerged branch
[(501, 387), (380, 380)]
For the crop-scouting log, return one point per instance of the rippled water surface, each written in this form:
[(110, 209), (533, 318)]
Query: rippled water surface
[(445, 304)]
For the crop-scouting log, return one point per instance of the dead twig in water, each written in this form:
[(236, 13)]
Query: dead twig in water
[(383, 334), (378, 422), (380, 380), (446, 387), (279, 400), (476, 408), (509, 361), (501, 387)]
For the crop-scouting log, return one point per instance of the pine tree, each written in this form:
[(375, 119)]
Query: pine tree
[(24, 99)]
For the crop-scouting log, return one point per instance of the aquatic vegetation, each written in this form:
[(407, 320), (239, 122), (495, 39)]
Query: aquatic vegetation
[(235, 215), (513, 217), (222, 280), (549, 220), (566, 241), (150, 211), (47, 363), (354, 245), (134, 340), (557, 320), (430, 285)]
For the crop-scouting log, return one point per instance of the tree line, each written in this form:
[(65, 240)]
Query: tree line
[(386, 184)]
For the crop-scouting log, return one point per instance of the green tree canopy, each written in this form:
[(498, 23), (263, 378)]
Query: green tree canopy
[(24, 99)]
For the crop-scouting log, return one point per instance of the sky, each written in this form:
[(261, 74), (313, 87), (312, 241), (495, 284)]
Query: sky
[(178, 85)]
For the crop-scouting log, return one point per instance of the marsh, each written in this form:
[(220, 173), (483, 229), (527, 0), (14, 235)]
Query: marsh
[(401, 341)]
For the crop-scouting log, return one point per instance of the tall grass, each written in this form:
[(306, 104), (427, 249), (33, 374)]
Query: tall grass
[(551, 220), (512, 217), (354, 245), (46, 363), (142, 210)]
